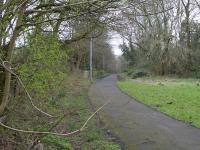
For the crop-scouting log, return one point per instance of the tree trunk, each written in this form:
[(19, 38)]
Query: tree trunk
[(188, 28), (188, 34), (6, 92), (2, 82), (8, 56)]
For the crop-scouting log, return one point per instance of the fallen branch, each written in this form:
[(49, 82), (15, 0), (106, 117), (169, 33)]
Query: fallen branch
[(38, 132), (54, 133), (84, 125)]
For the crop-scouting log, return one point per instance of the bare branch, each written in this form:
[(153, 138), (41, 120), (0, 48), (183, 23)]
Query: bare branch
[(198, 4), (54, 133), (26, 91), (151, 14), (84, 125)]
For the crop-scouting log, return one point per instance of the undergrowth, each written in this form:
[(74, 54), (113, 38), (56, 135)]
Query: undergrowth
[(70, 103)]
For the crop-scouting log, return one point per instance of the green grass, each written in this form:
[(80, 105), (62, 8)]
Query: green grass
[(179, 98)]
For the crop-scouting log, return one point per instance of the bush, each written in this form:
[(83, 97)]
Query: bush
[(44, 66), (121, 77), (139, 74), (136, 73)]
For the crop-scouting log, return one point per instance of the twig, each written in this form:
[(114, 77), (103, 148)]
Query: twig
[(39, 132), (84, 125), (54, 133)]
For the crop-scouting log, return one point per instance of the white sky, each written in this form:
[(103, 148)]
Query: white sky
[(115, 41)]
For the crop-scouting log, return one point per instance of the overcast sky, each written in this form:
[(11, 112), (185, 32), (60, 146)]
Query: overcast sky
[(115, 41)]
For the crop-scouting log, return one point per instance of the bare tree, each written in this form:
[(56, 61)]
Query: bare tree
[(26, 16)]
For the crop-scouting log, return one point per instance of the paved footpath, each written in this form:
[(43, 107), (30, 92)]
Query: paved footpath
[(139, 127)]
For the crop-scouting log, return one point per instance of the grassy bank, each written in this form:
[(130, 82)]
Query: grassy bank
[(73, 108), (179, 98)]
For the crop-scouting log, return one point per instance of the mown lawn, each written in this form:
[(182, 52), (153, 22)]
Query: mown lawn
[(179, 98)]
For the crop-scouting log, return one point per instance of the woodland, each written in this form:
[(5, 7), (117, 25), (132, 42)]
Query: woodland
[(44, 52)]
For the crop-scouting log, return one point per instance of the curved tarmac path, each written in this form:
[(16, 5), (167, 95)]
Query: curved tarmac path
[(139, 127)]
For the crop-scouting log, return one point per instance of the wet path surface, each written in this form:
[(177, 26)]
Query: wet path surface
[(138, 126)]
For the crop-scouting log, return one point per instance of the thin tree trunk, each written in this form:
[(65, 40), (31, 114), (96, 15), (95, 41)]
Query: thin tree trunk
[(2, 79), (9, 49), (188, 33)]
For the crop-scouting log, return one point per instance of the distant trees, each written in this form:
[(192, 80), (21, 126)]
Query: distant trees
[(165, 35), (129, 53), (102, 53)]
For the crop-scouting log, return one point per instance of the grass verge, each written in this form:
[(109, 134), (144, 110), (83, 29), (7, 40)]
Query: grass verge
[(72, 105), (179, 98)]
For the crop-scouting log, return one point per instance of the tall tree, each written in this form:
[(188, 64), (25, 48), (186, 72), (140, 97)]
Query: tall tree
[(24, 16)]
